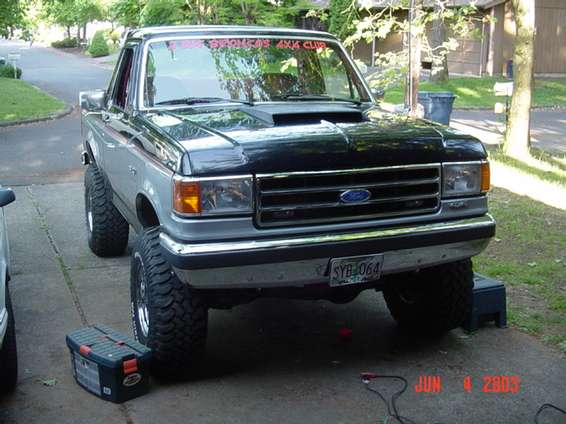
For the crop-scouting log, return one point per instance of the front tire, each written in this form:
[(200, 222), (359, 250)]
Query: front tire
[(107, 230), (167, 315), (8, 353), (435, 299)]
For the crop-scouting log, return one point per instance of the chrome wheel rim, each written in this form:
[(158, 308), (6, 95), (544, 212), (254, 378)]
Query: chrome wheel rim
[(89, 218), (142, 301)]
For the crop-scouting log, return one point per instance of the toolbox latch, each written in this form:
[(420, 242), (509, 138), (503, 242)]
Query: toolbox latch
[(130, 366)]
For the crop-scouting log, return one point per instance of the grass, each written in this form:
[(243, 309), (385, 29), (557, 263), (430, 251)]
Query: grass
[(529, 255), (23, 101), (478, 92), (555, 174)]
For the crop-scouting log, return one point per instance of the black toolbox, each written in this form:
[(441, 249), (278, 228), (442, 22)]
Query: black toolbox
[(109, 364)]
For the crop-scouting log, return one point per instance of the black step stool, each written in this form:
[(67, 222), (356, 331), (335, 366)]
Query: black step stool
[(488, 304)]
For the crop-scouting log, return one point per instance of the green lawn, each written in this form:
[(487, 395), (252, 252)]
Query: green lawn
[(478, 92), (529, 255), (20, 100)]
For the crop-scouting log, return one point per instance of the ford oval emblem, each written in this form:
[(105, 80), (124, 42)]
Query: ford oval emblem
[(355, 196)]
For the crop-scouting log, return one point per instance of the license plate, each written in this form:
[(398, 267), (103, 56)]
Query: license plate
[(355, 270)]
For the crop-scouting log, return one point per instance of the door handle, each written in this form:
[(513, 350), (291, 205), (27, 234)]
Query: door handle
[(109, 116), (133, 170)]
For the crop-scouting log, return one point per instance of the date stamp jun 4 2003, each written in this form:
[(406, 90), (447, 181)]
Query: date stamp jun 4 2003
[(488, 384)]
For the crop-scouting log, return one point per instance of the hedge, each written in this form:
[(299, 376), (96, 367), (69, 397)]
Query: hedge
[(99, 45), (65, 43), (7, 71)]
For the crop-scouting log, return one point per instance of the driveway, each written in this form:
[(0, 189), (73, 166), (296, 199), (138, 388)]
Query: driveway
[(548, 127), (272, 361), (48, 151)]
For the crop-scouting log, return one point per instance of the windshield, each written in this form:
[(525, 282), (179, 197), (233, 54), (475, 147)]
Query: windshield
[(248, 69)]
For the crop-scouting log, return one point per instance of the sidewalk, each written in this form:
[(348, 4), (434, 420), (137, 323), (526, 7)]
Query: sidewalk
[(548, 127), (549, 135)]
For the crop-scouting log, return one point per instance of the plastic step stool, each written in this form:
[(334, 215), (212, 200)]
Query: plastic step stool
[(489, 304)]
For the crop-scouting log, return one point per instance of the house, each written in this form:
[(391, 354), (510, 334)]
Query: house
[(490, 54)]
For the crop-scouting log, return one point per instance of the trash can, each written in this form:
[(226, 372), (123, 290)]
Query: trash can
[(437, 105)]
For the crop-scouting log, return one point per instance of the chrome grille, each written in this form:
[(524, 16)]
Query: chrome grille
[(314, 197)]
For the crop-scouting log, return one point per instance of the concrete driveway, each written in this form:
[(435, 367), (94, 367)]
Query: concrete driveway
[(272, 361)]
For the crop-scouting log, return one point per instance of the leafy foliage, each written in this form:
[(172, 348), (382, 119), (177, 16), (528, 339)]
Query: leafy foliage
[(343, 14), (99, 45), (12, 16), (380, 24), (7, 71)]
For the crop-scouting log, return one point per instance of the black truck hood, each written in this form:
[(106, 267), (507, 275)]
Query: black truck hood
[(308, 136)]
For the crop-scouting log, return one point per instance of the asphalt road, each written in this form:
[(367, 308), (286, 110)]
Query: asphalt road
[(46, 152), (272, 361)]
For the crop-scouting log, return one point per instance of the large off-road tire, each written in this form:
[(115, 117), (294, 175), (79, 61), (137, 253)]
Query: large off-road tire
[(8, 353), (435, 299), (107, 230), (167, 315)]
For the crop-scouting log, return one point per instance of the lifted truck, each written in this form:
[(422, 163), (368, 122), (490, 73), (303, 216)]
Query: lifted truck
[(256, 162)]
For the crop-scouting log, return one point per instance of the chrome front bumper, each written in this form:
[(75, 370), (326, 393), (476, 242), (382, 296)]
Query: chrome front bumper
[(298, 261)]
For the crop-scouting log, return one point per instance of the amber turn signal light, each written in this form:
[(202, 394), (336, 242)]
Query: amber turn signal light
[(485, 177), (186, 196)]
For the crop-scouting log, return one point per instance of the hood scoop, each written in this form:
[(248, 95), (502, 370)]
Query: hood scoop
[(305, 114)]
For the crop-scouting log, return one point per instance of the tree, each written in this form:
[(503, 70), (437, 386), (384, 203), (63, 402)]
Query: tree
[(342, 15), (127, 13), (517, 138), (12, 17), (415, 47), (439, 71), (378, 24)]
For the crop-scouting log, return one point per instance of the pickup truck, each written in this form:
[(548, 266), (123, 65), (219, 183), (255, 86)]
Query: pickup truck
[(256, 162)]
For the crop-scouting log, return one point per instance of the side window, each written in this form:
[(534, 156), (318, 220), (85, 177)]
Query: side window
[(122, 80)]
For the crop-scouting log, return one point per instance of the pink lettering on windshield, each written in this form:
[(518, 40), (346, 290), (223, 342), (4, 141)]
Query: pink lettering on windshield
[(239, 43)]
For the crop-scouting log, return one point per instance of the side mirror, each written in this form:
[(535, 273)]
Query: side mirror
[(7, 196), (92, 101), (378, 93)]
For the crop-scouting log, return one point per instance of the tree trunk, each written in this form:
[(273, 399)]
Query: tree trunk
[(84, 31), (78, 35), (517, 138), (439, 71), (68, 31), (412, 88)]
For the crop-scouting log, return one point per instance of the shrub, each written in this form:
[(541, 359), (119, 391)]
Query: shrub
[(115, 37), (65, 43), (7, 71), (99, 45)]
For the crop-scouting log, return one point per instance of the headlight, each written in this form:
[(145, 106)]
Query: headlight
[(213, 196), (465, 179)]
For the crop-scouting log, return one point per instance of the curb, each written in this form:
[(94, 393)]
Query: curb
[(66, 111), (534, 108)]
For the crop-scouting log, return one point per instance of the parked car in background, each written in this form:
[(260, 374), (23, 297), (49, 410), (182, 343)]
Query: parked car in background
[(8, 353), (256, 162)]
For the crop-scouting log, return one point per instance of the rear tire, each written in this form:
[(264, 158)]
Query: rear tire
[(167, 315), (8, 353), (107, 230), (435, 299)]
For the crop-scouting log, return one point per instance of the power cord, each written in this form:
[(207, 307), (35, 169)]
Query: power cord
[(547, 406), (392, 411)]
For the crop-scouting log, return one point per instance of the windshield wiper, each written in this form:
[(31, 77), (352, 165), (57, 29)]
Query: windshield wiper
[(197, 100), (314, 97)]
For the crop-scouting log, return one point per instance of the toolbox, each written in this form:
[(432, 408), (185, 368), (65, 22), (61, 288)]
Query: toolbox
[(109, 364)]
